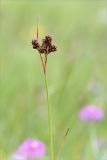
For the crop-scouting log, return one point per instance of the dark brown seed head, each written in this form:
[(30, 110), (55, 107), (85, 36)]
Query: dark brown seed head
[(43, 48), (52, 48), (47, 40), (35, 44), (46, 46)]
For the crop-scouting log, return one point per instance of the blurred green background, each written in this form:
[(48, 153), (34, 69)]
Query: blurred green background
[(77, 72)]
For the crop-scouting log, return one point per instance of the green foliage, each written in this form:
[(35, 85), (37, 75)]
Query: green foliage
[(77, 73)]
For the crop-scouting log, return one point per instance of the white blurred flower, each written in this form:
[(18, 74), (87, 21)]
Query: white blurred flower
[(103, 15), (17, 157)]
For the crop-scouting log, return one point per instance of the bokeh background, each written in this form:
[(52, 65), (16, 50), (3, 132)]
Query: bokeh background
[(77, 73)]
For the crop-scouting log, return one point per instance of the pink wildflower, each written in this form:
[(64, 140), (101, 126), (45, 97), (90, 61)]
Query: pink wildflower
[(30, 149), (91, 113)]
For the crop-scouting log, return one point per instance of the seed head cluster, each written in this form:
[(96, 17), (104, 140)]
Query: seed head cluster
[(46, 47)]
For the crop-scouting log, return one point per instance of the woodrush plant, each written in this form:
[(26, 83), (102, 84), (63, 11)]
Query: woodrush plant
[(44, 49)]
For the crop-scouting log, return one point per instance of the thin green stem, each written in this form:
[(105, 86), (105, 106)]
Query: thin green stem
[(49, 117), (49, 110)]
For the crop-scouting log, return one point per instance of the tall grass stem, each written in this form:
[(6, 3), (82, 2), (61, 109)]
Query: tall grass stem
[(49, 117)]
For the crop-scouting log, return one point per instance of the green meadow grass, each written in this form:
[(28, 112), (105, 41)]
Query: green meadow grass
[(77, 73)]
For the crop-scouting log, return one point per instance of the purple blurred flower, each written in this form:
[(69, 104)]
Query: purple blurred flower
[(91, 113), (30, 149)]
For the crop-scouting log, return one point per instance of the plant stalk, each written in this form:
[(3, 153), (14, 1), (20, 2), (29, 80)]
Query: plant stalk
[(49, 117), (44, 63)]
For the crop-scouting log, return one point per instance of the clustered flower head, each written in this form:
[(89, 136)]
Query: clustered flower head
[(29, 149), (91, 113), (46, 47)]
